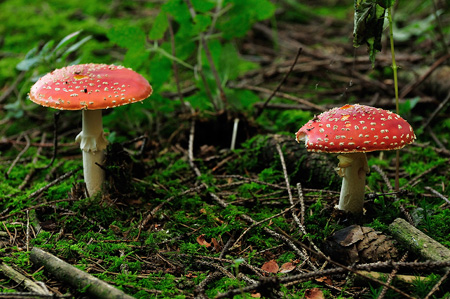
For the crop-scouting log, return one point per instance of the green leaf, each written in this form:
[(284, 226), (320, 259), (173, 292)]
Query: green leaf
[(241, 99), (178, 10), (203, 5), (386, 3), (66, 40), (231, 64), (159, 27), (368, 26), (73, 48), (265, 10), (202, 22), (130, 37), (242, 15), (135, 57), (199, 100), (160, 71)]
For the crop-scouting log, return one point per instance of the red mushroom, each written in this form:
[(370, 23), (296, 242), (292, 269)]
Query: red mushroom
[(90, 87), (353, 130)]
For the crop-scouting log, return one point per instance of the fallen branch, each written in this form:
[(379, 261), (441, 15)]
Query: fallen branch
[(23, 280), (418, 242), (74, 276)]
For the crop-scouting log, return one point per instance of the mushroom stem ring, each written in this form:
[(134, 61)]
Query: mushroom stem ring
[(93, 143), (352, 168)]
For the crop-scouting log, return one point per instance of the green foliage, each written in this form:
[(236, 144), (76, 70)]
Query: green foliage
[(132, 38), (225, 58), (242, 15)]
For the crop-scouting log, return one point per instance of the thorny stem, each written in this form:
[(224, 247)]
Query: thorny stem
[(394, 70)]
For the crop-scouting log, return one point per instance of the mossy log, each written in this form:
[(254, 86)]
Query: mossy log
[(75, 277), (418, 242)]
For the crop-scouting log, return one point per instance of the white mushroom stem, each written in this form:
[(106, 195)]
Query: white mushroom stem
[(352, 168), (93, 143)]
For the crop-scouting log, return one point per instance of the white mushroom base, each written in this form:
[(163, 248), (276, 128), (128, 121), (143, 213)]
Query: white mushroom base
[(352, 168), (93, 143)]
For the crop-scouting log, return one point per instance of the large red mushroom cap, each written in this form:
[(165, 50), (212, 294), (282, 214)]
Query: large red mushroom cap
[(90, 86), (356, 128)]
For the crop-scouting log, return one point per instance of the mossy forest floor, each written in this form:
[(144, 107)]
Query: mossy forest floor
[(184, 216)]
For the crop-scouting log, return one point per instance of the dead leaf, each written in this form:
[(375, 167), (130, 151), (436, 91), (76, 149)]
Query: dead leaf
[(255, 295), (216, 244), (324, 279), (314, 293), (270, 266), (201, 240), (287, 267)]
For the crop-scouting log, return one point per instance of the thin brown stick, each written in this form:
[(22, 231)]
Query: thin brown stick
[(422, 78), (281, 95), (291, 200), (236, 243), (391, 277), (438, 194), (50, 203), (23, 151), (13, 86), (30, 174), (52, 183), (299, 51), (435, 112), (437, 285)]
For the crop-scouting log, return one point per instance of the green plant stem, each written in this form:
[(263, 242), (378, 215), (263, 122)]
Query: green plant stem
[(394, 70), (394, 64)]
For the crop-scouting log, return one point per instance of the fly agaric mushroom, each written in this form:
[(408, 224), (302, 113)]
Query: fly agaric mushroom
[(353, 130), (90, 88)]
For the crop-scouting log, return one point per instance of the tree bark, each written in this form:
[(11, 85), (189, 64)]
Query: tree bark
[(75, 277)]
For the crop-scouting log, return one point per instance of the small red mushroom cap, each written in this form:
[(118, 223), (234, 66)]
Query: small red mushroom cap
[(356, 128), (90, 86)]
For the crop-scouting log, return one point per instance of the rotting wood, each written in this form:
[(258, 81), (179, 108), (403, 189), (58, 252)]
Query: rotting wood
[(75, 277), (418, 242)]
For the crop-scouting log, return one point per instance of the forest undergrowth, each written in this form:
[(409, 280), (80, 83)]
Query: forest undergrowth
[(207, 193)]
